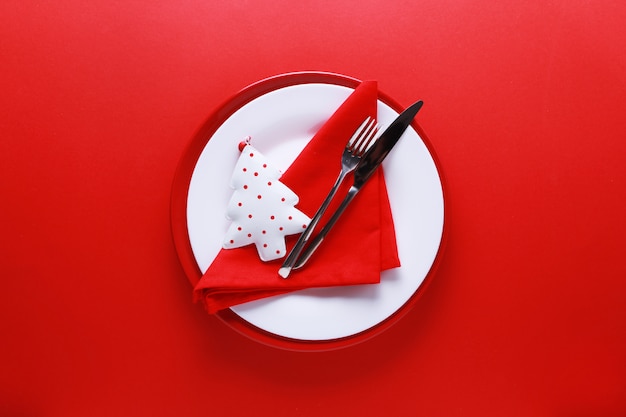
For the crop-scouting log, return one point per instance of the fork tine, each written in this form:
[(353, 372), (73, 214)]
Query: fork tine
[(357, 134), (368, 139), (363, 134)]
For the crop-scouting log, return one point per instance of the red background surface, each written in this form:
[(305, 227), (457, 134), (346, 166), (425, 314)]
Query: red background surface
[(524, 106)]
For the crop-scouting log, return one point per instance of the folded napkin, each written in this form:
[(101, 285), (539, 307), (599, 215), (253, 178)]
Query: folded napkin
[(360, 246)]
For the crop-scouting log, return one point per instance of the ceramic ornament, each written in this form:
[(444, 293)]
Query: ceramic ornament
[(261, 208)]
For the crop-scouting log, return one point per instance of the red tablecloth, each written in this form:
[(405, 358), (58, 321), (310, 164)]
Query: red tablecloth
[(524, 105)]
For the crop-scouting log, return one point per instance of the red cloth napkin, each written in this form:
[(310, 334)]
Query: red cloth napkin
[(360, 246)]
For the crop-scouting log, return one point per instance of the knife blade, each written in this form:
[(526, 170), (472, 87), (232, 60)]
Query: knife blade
[(363, 172)]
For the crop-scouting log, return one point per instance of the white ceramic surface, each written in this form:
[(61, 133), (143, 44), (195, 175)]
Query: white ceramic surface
[(280, 124)]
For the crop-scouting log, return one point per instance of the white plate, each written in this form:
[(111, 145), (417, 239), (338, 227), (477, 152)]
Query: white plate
[(280, 123)]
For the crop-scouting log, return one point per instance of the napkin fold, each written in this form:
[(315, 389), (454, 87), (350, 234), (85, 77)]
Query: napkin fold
[(360, 246)]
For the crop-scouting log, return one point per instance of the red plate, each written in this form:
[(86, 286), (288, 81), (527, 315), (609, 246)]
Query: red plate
[(179, 218)]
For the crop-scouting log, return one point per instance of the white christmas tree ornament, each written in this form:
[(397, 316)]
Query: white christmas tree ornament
[(261, 208)]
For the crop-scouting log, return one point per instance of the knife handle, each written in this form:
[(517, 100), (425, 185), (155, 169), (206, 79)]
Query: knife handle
[(293, 256), (306, 255)]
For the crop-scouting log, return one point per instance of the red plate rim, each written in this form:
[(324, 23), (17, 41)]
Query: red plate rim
[(180, 189)]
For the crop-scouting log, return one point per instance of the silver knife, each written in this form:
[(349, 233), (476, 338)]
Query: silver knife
[(367, 166)]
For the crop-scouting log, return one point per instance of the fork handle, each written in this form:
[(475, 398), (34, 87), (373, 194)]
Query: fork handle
[(289, 263), (322, 234)]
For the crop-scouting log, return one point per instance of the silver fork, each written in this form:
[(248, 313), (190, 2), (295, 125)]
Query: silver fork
[(360, 141)]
